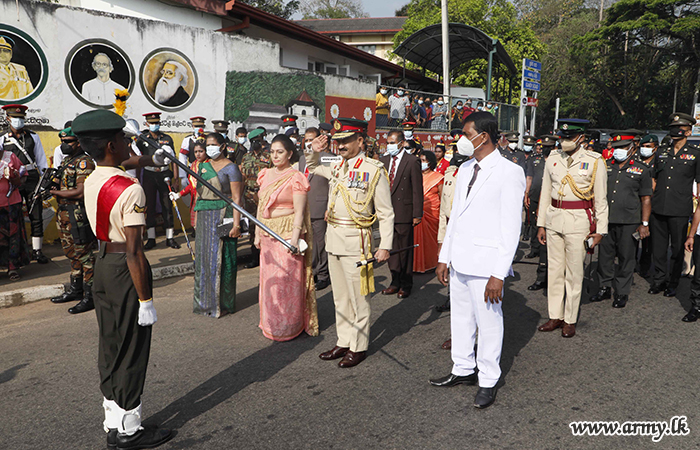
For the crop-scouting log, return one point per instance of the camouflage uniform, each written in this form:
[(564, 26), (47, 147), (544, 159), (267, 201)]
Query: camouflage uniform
[(252, 163), (77, 238)]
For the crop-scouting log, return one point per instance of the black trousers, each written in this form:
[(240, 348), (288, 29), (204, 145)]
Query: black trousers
[(401, 264), (124, 345), (534, 242), (35, 219), (663, 228), (154, 186), (618, 243), (695, 284), (542, 266), (320, 261)]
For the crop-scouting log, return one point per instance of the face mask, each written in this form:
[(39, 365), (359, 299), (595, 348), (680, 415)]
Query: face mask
[(408, 134), (393, 149), (198, 131), (569, 145), (460, 106), (294, 140), (465, 147), (488, 106), (440, 102), (512, 145), (66, 148), (225, 135), (241, 140), (675, 132), (646, 151), (213, 151), (383, 91), (17, 123), (255, 145), (480, 108), (399, 93), (308, 146), (620, 154), (420, 102), (457, 160), (154, 127), (527, 148), (423, 166)]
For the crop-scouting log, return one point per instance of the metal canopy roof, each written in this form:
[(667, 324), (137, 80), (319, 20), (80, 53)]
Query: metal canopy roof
[(424, 47)]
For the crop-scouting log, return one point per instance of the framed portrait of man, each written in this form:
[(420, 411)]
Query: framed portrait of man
[(23, 66), (95, 69), (168, 79)]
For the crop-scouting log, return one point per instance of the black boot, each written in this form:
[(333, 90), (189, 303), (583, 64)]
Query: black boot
[(620, 301), (145, 438), (692, 315), (86, 304), (38, 256), (74, 292), (150, 243), (172, 243), (602, 294)]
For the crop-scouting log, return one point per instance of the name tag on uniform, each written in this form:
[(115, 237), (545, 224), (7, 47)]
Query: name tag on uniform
[(331, 159), (635, 170), (688, 156)]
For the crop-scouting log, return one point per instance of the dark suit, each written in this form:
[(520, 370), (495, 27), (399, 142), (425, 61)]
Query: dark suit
[(318, 203), (407, 200)]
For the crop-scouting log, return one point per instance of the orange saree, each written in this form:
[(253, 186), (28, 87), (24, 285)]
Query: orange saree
[(425, 256)]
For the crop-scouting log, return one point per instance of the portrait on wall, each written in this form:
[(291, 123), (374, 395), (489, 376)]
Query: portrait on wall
[(168, 79), (23, 66), (95, 69)]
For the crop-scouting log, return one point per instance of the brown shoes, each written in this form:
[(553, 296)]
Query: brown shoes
[(335, 353), (352, 359), (551, 325), (391, 290), (447, 345), (568, 330), (403, 293)]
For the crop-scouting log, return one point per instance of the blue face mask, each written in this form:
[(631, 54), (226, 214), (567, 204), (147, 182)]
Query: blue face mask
[(527, 148), (393, 149), (154, 127)]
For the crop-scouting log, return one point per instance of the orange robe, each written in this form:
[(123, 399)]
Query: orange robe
[(425, 256)]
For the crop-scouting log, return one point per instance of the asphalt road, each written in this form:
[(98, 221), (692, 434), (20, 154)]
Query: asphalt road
[(222, 385)]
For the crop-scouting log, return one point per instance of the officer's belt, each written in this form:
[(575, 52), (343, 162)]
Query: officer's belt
[(578, 204), (112, 247), (345, 223), (157, 169)]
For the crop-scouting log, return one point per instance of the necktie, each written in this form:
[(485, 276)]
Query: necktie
[(471, 183), (392, 172)]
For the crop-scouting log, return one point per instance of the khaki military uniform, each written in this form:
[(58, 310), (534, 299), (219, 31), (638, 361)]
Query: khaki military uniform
[(448, 192), (77, 238), (251, 164), (359, 196), (574, 192)]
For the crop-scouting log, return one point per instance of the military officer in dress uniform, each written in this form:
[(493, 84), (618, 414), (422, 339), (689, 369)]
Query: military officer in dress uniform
[(573, 213), (629, 208), (409, 137), (239, 148), (155, 183), (511, 151), (26, 146), (186, 155), (255, 160), (647, 150), (534, 174), (676, 168), (77, 238), (123, 288), (359, 196)]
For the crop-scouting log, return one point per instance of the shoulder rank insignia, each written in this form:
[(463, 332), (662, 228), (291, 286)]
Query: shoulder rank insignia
[(139, 209)]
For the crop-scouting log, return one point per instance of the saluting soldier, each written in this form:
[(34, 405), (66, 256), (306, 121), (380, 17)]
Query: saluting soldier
[(573, 209), (533, 191), (77, 238), (26, 146), (629, 208), (676, 168), (647, 151), (155, 183), (123, 286), (186, 155), (511, 151), (359, 196), (254, 161)]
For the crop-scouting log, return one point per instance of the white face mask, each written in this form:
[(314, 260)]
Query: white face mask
[(424, 166), (17, 123), (399, 93), (154, 127), (393, 149), (465, 147), (383, 91), (620, 154), (569, 145), (646, 151), (308, 146), (527, 148), (460, 106), (420, 102), (294, 140), (512, 145), (213, 151), (408, 134), (241, 140), (480, 108), (440, 102)]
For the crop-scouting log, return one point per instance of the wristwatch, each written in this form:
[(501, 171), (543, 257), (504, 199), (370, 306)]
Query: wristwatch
[(646, 224)]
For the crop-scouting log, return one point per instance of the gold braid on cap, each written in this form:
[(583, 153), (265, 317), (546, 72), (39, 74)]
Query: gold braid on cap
[(583, 194)]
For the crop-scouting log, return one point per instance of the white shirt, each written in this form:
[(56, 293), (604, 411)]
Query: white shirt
[(57, 156), (39, 155), (95, 91), (396, 161)]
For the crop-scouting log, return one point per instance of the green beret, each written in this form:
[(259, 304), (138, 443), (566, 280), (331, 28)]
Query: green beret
[(649, 138), (99, 121), (255, 133), (66, 132)]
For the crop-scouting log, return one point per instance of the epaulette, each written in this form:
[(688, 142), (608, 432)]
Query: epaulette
[(374, 162), (593, 154), (451, 170)]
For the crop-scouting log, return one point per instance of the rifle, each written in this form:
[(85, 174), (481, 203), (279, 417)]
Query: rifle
[(50, 180)]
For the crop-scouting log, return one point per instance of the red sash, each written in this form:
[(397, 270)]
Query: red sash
[(108, 196)]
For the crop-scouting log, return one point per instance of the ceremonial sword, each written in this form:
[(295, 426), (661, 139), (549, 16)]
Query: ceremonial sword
[(132, 130), (364, 262)]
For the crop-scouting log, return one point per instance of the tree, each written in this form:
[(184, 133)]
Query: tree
[(403, 11), (279, 8), (332, 9)]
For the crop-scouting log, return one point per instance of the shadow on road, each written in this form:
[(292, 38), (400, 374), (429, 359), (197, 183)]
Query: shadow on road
[(10, 373)]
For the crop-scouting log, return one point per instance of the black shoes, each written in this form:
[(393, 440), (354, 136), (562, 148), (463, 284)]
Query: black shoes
[(112, 438), (656, 288), (146, 438), (537, 285), (444, 307), (620, 301), (253, 264), (39, 257), (453, 380), (172, 243), (150, 243), (321, 285), (86, 304), (74, 292), (484, 397), (670, 292), (532, 255), (602, 294), (692, 315)]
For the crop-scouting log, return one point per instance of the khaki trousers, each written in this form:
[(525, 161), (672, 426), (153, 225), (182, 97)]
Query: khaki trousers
[(351, 308), (565, 258)]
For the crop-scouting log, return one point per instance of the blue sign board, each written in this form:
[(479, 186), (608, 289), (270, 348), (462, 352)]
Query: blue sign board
[(533, 65), (531, 85), (534, 76)]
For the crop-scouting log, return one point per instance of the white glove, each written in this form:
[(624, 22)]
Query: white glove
[(159, 157), (174, 196), (147, 313)]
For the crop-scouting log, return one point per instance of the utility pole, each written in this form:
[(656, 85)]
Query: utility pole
[(446, 80)]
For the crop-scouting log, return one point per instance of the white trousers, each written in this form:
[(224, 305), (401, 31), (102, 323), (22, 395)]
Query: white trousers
[(469, 314)]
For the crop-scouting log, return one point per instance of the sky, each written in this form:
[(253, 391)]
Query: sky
[(382, 8)]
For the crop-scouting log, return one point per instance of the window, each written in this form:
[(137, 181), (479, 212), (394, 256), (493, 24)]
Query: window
[(318, 67), (368, 48), (310, 66), (331, 68), (344, 71)]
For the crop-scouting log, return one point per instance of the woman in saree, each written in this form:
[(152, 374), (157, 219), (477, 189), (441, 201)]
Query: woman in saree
[(215, 257), (200, 154), (287, 293), (425, 256), (14, 249)]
